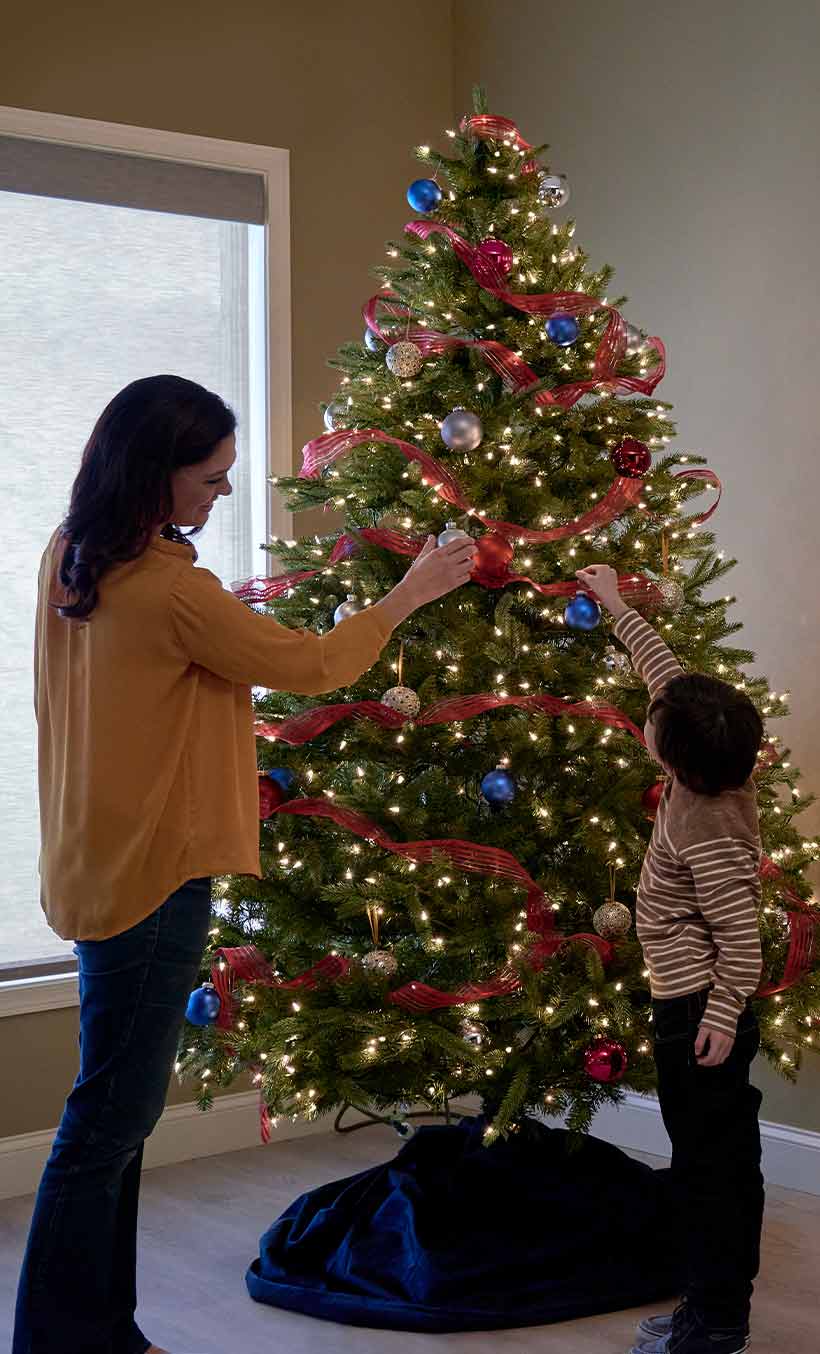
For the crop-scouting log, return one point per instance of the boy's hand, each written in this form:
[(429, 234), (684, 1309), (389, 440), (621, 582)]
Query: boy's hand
[(712, 1046), (602, 581)]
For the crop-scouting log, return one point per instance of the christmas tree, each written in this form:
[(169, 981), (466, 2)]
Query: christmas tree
[(451, 847)]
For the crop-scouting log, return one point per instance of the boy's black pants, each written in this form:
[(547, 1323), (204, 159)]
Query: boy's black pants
[(710, 1115)]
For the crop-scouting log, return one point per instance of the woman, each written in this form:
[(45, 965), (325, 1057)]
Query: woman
[(148, 786)]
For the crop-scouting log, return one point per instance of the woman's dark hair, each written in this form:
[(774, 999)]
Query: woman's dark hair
[(707, 732), (123, 489)]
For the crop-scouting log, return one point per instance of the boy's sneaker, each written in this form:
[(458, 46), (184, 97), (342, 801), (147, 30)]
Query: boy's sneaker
[(689, 1335), (658, 1327)]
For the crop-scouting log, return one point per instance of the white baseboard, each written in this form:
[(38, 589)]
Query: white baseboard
[(791, 1156)]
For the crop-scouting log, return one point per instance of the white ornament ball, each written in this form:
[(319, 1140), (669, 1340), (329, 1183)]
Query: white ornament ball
[(403, 700), (553, 191), (672, 594), (612, 920), (452, 533), (405, 359), (336, 415), (380, 961), (347, 608), (462, 430)]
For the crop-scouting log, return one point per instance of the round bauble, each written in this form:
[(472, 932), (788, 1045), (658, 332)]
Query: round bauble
[(380, 961), (583, 612), (498, 787), (284, 778), (471, 1033), (612, 920), (631, 458), (462, 431), (635, 340), (553, 191), (497, 252), (651, 799), (404, 359), (336, 415), (452, 533), (271, 796), (424, 195), (615, 660), (605, 1061), (349, 607), (203, 1005), (562, 329), (373, 343), (403, 700), (402, 1127), (493, 554), (672, 596)]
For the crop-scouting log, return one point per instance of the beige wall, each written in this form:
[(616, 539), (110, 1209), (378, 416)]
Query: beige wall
[(690, 134), (349, 90)]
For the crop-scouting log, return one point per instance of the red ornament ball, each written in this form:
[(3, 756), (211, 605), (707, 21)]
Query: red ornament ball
[(271, 796), (651, 798), (605, 1061), (497, 252), (632, 458), (493, 554)]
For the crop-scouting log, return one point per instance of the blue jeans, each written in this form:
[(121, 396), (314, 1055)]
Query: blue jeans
[(77, 1290)]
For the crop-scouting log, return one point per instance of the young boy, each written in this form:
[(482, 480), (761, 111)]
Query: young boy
[(697, 923)]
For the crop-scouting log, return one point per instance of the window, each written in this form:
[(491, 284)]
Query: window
[(96, 294)]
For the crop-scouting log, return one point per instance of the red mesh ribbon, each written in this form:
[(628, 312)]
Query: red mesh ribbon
[(804, 920), (248, 963), (489, 127), (708, 477), (300, 729), (265, 589)]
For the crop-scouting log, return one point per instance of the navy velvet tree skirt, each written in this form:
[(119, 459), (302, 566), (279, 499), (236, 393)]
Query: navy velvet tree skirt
[(451, 1235)]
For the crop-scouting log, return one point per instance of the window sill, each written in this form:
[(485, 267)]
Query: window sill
[(24, 996)]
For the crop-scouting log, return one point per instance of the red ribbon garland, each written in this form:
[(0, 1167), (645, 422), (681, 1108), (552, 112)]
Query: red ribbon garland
[(804, 921), (489, 127)]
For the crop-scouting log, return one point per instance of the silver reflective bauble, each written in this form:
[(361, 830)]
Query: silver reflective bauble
[(553, 191), (452, 533), (612, 920), (347, 608), (672, 594), (615, 660), (402, 1127), (635, 340), (336, 415), (404, 359), (462, 431), (403, 700), (380, 961), (472, 1034)]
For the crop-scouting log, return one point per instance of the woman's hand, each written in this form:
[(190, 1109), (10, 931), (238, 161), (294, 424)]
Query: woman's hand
[(434, 572), (602, 581)]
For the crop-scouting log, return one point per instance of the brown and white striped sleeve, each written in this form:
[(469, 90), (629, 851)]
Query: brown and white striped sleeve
[(654, 663), (726, 874)]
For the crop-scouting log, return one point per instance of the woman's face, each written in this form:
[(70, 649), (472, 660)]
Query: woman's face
[(197, 487)]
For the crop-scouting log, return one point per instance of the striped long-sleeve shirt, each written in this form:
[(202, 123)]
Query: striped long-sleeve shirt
[(699, 891)]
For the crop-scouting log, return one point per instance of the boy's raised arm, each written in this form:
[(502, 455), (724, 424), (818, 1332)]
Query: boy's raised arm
[(654, 662)]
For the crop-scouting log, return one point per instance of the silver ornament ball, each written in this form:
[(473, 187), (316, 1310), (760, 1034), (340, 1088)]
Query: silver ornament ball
[(380, 961), (553, 191), (402, 1127), (349, 607), (462, 430), (403, 700), (452, 533), (404, 359), (672, 594), (472, 1034), (336, 415), (612, 920), (615, 660), (635, 340)]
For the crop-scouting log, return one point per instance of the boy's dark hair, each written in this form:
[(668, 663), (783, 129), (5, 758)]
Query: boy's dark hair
[(707, 732)]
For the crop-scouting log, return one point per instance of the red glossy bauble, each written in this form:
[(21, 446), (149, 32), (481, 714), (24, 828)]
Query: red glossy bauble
[(493, 554), (632, 458), (605, 1060), (651, 798), (499, 252), (271, 796)]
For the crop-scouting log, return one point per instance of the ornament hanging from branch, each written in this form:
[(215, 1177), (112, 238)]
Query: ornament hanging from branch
[(612, 919), (378, 960)]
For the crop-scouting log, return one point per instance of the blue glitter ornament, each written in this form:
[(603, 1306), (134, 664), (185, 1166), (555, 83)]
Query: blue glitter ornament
[(203, 1005), (562, 329), (583, 612), (424, 195), (283, 777), (498, 787)]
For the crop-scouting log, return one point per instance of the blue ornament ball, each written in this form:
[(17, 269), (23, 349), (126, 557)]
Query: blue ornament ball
[(583, 612), (424, 195), (562, 329), (283, 777), (203, 1005), (498, 786)]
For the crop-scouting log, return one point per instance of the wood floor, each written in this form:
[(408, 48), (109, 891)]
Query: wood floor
[(201, 1221)]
